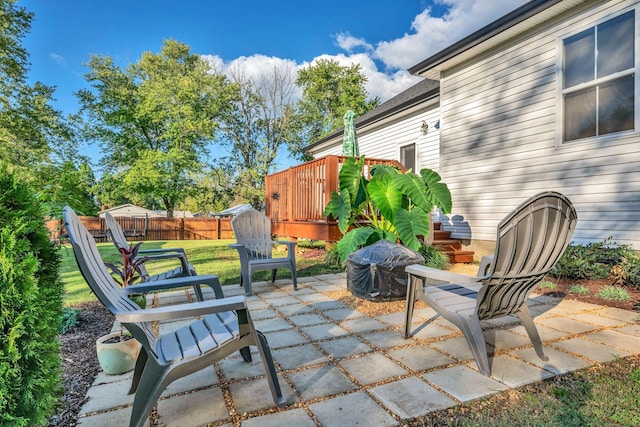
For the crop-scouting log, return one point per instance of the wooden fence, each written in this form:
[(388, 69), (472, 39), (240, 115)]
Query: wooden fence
[(141, 228)]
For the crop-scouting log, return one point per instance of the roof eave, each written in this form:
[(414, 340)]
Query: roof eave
[(376, 118), (429, 68)]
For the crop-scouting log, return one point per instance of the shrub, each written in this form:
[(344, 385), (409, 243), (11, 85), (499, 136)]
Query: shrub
[(30, 308), (434, 258), (331, 257), (630, 269), (68, 320), (591, 261)]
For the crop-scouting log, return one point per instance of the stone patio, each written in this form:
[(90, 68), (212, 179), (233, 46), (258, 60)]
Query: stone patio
[(339, 367)]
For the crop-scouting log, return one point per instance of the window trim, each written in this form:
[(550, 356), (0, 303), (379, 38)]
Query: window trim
[(561, 91)]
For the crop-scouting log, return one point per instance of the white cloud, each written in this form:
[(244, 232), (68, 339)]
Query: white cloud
[(58, 59), (349, 43), (432, 33), (385, 64)]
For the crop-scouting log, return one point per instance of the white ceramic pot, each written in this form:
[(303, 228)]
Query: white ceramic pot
[(117, 357)]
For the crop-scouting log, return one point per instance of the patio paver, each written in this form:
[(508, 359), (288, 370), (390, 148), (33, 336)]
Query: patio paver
[(341, 367)]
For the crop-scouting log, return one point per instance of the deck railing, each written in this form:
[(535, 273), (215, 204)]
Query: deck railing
[(301, 193)]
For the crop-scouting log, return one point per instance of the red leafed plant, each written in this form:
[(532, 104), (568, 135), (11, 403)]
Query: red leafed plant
[(130, 272)]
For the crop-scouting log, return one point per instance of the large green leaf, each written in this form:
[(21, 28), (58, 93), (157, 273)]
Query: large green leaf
[(378, 171), (384, 195), (358, 203), (340, 208), (353, 240), (437, 191), (410, 225), (414, 187), (350, 179)]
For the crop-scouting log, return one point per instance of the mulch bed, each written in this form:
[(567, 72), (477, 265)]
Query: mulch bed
[(79, 361)]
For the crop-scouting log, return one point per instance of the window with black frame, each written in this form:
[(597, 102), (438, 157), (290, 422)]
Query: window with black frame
[(599, 79)]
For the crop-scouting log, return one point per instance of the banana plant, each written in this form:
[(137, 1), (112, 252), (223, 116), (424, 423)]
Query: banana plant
[(391, 205)]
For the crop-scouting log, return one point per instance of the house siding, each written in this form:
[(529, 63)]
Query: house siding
[(499, 140), (384, 142)]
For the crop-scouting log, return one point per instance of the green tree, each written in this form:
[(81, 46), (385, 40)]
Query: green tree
[(154, 119), (66, 184), (262, 121), (215, 191), (30, 307), (110, 191), (31, 130), (328, 91)]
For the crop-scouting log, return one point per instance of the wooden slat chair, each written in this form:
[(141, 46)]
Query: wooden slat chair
[(120, 241), (252, 230), (529, 242), (223, 327)]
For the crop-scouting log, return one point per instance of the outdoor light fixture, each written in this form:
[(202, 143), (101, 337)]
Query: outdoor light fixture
[(424, 127)]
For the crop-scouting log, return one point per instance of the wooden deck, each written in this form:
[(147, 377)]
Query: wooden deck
[(295, 198)]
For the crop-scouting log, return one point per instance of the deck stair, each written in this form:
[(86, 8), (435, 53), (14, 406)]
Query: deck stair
[(452, 247)]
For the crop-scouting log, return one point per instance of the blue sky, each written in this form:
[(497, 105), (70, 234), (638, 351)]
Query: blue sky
[(384, 36)]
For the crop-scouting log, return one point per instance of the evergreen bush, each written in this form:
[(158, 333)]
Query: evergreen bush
[(31, 295)]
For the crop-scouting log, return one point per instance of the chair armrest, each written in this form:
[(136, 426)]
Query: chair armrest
[(157, 256), (242, 252), (485, 265), (439, 275), (181, 311), (179, 282), (177, 255), (290, 245), (161, 250)]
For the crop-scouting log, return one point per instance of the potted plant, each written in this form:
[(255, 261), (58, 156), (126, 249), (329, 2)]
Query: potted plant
[(391, 205), (118, 351), (389, 211), (130, 274)]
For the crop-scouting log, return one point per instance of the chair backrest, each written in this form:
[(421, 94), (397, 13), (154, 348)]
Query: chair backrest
[(115, 231), (252, 229), (95, 273), (529, 242), (120, 240)]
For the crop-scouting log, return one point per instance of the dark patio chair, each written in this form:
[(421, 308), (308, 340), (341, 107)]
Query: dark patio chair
[(252, 230), (119, 239), (529, 242), (224, 326)]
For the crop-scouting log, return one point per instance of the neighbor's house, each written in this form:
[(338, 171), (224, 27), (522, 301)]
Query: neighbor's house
[(133, 211), (545, 98), (130, 210)]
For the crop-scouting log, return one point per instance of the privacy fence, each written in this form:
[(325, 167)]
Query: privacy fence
[(144, 228)]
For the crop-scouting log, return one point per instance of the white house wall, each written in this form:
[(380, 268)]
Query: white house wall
[(499, 140), (384, 142)]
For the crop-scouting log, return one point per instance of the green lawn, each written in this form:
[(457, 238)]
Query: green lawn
[(208, 257)]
